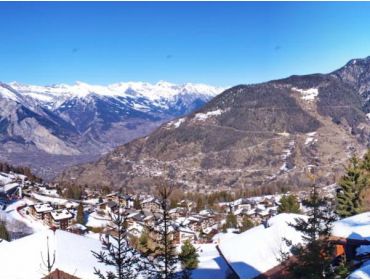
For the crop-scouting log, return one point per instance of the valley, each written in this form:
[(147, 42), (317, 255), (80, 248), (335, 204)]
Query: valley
[(53, 127)]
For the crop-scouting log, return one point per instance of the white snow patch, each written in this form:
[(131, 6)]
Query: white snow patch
[(204, 116), (307, 94), (176, 123), (310, 139)]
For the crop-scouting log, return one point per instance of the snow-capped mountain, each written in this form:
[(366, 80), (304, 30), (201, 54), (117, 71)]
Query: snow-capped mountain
[(270, 134), (83, 120)]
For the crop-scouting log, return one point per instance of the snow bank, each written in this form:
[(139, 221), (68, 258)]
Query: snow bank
[(257, 250)]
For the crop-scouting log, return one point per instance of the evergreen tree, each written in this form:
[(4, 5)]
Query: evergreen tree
[(365, 164), (137, 204), (188, 258), (200, 204), (80, 214), (118, 253), (289, 204), (231, 221), (314, 256), (143, 243), (4, 234), (165, 254), (247, 223), (351, 185)]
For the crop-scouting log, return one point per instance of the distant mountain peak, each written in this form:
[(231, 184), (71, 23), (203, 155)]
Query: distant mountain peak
[(85, 120)]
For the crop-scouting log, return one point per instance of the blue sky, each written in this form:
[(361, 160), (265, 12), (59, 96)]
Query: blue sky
[(218, 43)]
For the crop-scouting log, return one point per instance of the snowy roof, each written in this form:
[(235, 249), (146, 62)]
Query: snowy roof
[(77, 227), (61, 214), (257, 250), (44, 207), (211, 264), (49, 199), (355, 227), (361, 273), (26, 253)]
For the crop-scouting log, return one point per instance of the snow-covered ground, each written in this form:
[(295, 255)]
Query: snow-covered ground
[(94, 220), (22, 216)]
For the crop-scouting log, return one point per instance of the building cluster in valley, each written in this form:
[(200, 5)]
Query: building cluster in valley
[(41, 207), (43, 203)]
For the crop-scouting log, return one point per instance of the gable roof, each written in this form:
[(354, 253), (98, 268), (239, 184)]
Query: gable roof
[(27, 251), (259, 248)]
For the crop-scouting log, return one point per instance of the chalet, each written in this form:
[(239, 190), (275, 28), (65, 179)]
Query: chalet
[(108, 207), (111, 207), (77, 229), (351, 237), (133, 217), (184, 234), (195, 222), (177, 212), (60, 219), (151, 204), (263, 243), (41, 210), (186, 204)]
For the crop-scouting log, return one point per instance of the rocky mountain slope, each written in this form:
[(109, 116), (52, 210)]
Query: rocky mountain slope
[(249, 136), (52, 127)]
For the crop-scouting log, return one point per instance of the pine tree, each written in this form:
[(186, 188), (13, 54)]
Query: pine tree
[(314, 256), (143, 242), (80, 214), (165, 254), (365, 164), (231, 221), (188, 258), (4, 234), (247, 223), (289, 204), (137, 204), (351, 186), (118, 253)]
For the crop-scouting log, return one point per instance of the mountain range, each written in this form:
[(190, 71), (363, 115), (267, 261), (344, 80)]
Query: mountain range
[(52, 127), (275, 133)]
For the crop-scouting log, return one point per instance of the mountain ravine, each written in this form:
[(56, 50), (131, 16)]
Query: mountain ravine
[(250, 135)]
